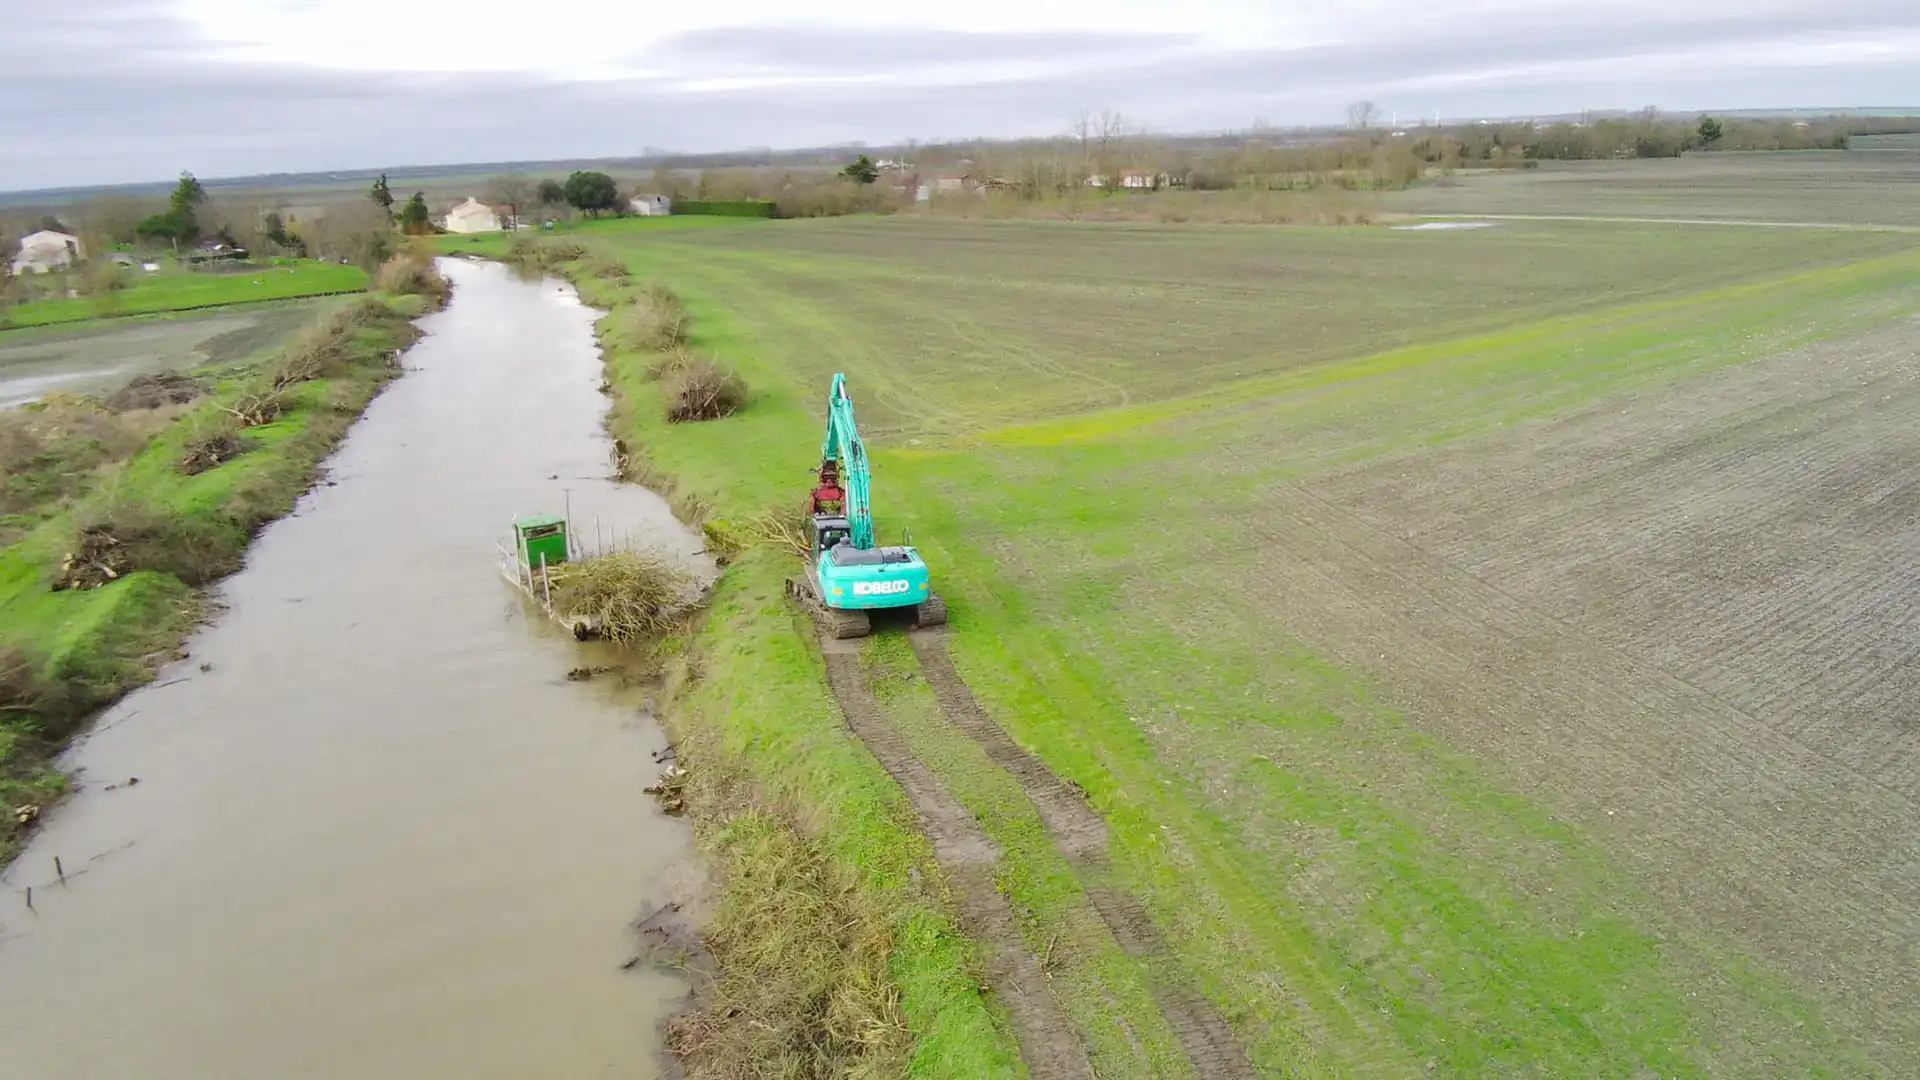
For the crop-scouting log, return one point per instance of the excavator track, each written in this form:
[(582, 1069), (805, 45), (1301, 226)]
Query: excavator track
[(842, 625), (930, 612)]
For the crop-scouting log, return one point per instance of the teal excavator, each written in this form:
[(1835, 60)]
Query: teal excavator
[(848, 576)]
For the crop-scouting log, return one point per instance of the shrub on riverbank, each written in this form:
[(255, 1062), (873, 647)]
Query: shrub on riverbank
[(543, 255), (702, 390), (655, 320), (406, 276)]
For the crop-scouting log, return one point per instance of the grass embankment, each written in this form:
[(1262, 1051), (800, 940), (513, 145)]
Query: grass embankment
[(838, 956), (1079, 423), (150, 524), (185, 290)]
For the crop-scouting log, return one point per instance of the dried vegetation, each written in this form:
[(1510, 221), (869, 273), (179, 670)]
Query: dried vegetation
[(702, 390), (412, 274), (544, 255), (632, 596), (801, 987), (656, 320)]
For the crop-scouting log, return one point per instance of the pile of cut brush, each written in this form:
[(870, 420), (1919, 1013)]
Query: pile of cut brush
[(629, 595), (153, 391), (700, 390), (98, 557), (213, 446)]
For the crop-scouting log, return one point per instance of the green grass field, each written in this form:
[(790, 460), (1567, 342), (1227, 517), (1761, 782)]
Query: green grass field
[(1395, 817), (181, 290), (1855, 188)]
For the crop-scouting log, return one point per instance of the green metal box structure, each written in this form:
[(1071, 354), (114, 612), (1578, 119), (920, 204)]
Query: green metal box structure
[(540, 538)]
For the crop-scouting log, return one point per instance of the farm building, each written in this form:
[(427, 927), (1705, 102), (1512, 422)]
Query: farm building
[(954, 183), (472, 216), (651, 205), (46, 251)]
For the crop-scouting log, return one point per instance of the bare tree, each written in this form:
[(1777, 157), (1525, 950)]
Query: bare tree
[(106, 221), (358, 231), (514, 190), (1362, 115), (1100, 138)]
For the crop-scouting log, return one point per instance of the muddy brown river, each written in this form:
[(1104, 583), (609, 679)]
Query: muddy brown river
[(377, 833)]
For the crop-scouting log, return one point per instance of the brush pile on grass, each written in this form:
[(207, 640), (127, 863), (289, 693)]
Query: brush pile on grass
[(700, 390), (154, 391), (802, 987), (656, 320), (785, 531), (630, 595), (254, 408), (213, 443), (114, 540)]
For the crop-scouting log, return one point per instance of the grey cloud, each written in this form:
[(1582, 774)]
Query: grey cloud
[(810, 49), (75, 109)]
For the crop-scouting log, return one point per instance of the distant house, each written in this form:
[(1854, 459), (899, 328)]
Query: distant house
[(650, 205), (1141, 180), (953, 183), (472, 216), (48, 250)]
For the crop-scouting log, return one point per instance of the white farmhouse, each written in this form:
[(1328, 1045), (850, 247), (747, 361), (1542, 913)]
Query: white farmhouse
[(472, 216), (651, 205), (46, 251)]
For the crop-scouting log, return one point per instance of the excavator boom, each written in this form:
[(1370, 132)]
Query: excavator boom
[(843, 443)]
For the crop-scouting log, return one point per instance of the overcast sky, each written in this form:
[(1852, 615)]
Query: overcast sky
[(110, 91)]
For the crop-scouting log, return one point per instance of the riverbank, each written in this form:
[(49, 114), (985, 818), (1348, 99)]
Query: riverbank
[(837, 946), (140, 539)]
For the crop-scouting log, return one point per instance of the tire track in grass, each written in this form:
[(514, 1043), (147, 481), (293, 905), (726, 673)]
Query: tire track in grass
[(1048, 1044), (1081, 836)]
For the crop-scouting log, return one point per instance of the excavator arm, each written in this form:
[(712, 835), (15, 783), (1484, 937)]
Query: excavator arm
[(843, 443)]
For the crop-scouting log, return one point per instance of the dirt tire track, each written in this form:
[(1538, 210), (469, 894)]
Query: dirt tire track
[(1081, 835), (1048, 1043)]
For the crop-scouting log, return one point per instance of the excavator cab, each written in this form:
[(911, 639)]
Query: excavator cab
[(828, 531)]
